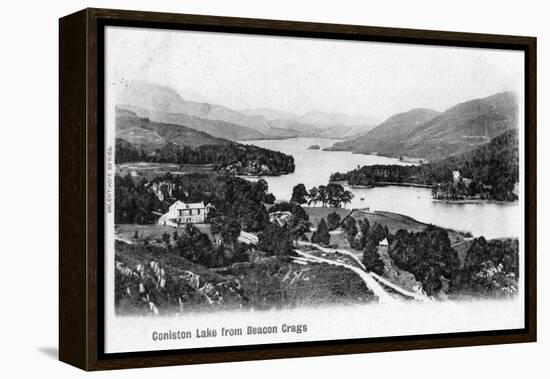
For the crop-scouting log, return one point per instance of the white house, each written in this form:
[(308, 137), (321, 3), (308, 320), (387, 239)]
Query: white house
[(181, 213), (456, 177), (384, 242)]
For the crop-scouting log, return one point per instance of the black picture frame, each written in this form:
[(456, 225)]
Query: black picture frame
[(81, 155)]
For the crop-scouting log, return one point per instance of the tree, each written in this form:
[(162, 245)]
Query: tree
[(298, 227), (333, 220), (321, 235), (166, 239), (350, 228), (269, 198), (227, 228), (435, 191), (136, 235), (336, 195), (364, 228), (275, 240), (299, 194), (371, 258), (240, 254), (194, 245), (313, 196), (377, 233), (322, 195), (346, 197)]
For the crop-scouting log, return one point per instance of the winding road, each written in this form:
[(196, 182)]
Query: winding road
[(383, 296), (372, 280)]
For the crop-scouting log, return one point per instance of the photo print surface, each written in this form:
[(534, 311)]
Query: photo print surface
[(267, 189)]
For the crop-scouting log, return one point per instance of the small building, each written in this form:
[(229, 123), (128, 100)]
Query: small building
[(384, 242), (181, 213), (456, 177)]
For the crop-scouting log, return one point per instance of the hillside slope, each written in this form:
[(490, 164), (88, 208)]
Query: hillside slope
[(458, 129), (215, 128), (384, 136), (164, 99), (140, 131)]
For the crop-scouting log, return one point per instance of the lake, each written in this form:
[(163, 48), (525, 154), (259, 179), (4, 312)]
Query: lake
[(314, 167)]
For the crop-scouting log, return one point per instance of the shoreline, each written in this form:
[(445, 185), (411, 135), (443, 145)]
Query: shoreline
[(476, 201), (385, 184), (412, 160), (244, 141)]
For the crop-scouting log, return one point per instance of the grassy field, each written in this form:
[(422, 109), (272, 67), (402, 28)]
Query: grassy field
[(393, 221), (316, 213)]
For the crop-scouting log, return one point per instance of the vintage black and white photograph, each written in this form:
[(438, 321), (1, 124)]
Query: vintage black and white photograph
[(271, 189)]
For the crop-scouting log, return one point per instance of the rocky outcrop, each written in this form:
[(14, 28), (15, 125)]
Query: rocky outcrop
[(147, 288)]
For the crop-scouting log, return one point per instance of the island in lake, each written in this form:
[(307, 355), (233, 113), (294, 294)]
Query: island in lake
[(214, 211)]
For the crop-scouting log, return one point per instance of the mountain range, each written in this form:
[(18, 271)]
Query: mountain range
[(426, 133), (164, 104)]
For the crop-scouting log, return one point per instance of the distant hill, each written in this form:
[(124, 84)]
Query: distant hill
[(159, 98), (141, 131), (396, 128), (424, 133), (215, 128)]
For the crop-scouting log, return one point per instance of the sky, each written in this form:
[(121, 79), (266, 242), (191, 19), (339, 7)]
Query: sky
[(303, 74)]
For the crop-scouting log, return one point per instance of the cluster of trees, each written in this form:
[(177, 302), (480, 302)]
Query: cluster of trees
[(333, 195), (428, 255), (238, 205), (362, 236), (243, 201), (237, 158), (278, 239), (134, 204), (196, 246), (490, 268), (359, 233), (298, 224), (493, 169), (234, 199), (459, 191)]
